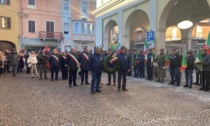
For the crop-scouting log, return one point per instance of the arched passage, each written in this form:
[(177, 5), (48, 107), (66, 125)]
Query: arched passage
[(137, 19), (109, 37), (179, 10), (7, 45)]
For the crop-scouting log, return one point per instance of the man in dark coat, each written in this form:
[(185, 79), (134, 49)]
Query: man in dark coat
[(42, 60), (111, 65), (95, 65), (74, 65), (150, 65), (206, 70), (64, 66), (125, 66), (141, 59), (84, 62), (175, 64), (54, 64), (189, 69), (13, 58)]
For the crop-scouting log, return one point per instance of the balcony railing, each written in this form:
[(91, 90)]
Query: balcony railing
[(43, 35), (83, 37)]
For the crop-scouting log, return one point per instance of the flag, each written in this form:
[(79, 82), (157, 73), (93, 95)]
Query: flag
[(153, 45), (199, 60), (118, 47), (184, 63), (207, 44), (112, 46), (146, 48), (167, 60)]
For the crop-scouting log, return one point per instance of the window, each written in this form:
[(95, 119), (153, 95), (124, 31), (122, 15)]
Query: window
[(50, 26), (82, 28), (174, 33), (66, 28), (66, 5), (31, 26), (199, 31), (5, 23), (76, 29), (85, 7), (5, 2), (88, 29), (93, 29), (31, 2)]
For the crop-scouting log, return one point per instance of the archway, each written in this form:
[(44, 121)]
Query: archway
[(7, 45), (179, 10), (138, 21), (110, 34)]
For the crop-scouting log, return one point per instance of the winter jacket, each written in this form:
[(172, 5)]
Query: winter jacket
[(13, 58), (190, 62), (71, 63), (95, 63), (84, 61), (160, 59), (175, 61), (54, 60), (124, 61), (42, 59), (206, 62)]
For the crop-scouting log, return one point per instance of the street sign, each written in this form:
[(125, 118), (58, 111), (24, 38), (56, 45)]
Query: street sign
[(150, 36)]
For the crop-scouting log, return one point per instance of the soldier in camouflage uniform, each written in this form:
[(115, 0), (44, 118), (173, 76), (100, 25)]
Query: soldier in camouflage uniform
[(160, 59)]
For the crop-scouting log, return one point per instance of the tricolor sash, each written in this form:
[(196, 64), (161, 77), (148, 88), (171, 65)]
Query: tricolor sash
[(75, 60), (85, 55), (55, 57), (64, 57)]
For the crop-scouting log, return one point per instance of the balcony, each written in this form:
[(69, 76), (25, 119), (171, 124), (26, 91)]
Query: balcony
[(53, 36), (83, 38)]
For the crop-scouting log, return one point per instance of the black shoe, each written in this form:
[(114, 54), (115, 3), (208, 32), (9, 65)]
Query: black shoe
[(87, 83), (98, 91), (161, 81), (177, 85), (70, 85), (45, 78), (75, 85), (92, 92), (185, 85), (206, 90), (125, 89), (32, 77), (171, 83), (52, 79), (56, 79), (114, 84), (195, 83), (108, 84), (158, 81), (201, 89)]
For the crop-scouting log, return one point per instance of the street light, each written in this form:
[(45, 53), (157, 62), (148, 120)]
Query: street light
[(185, 24)]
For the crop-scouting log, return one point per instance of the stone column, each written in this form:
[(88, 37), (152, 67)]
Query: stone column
[(99, 33), (120, 27), (186, 38)]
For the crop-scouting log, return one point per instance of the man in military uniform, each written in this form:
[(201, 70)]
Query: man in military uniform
[(160, 59), (111, 65), (54, 64)]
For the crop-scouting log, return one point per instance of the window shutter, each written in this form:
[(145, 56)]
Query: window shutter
[(7, 2), (8, 23)]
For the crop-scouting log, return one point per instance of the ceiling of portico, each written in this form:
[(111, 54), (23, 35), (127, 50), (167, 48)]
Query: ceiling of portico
[(194, 10)]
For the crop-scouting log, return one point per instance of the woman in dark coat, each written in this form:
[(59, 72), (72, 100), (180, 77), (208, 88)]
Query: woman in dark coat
[(21, 62)]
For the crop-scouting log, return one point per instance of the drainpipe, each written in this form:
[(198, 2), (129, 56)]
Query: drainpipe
[(21, 22)]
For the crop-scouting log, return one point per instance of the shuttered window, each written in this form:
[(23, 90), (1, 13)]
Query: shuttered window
[(31, 26), (31, 2), (5, 2), (5, 23)]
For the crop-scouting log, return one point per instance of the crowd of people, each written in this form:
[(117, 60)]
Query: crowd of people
[(74, 63)]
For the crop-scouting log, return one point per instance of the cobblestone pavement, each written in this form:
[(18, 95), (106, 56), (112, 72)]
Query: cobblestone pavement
[(25, 101)]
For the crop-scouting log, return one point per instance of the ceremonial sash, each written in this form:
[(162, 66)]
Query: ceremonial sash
[(56, 58), (64, 57), (85, 55), (75, 60)]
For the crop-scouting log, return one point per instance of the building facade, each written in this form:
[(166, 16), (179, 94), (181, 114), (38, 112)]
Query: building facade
[(134, 18), (9, 24), (41, 24)]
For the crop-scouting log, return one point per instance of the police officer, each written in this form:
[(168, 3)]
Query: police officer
[(206, 70), (160, 59), (124, 68), (74, 65), (111, 65), (84, 61), (95, 65), (54, 64), (175, 64), (43, 58)]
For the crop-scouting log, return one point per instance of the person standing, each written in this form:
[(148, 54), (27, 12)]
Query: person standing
[(64, 66), (150, 65), (13, 59), (141, 64), (2, 59), (189, 69), (206, 70), (32, 60), (95, 65), (175, 64), (54, 64), (43, 59), (160, 59), (84, 61), (124, 68), (136, 64), (111, 65), (73, 65)]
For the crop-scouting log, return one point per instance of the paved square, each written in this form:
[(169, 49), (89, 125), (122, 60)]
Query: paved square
[(25, 101)]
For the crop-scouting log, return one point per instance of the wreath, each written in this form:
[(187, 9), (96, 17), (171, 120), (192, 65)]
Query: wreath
[(112, 60)]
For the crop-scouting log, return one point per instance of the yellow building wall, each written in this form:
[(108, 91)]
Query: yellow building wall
[(12, 34)]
